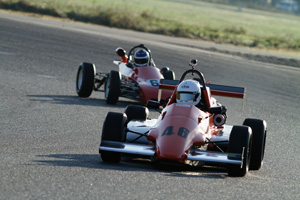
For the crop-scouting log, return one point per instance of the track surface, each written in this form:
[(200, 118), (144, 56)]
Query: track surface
[(49, 137)]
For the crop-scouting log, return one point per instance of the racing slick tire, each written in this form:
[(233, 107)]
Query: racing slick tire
[(259, 134), (113, 130), (136, 112), (85, 79), (169, 75), (112, 87), (240, 142)]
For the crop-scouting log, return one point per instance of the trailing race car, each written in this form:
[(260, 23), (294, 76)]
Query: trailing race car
[(191, 128), (138, 77)]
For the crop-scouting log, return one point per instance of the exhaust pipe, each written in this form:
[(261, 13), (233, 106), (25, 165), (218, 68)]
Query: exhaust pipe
[(219, 119)]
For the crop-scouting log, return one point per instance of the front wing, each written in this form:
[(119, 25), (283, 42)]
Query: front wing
[(149, 150), (129, 148)]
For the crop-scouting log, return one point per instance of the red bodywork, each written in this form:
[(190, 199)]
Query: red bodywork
[(180, 127), (148, 80)]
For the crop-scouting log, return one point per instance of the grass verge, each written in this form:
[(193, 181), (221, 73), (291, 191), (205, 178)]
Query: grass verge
[(190, 18)]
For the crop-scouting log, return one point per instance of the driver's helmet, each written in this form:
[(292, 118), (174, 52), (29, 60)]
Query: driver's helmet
[(141, 58), (188, 92)]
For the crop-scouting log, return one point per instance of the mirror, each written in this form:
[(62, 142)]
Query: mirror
[(120, 52)]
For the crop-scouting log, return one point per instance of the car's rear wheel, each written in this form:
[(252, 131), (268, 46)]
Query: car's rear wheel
[(259, 134), (136, 112), (240, 142), (112, 87), (85, 79), (113, 130), (169, 75)]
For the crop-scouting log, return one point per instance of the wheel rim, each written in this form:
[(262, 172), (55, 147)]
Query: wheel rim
[(248, 159), (107, 88), (79, 79), (263, 147)]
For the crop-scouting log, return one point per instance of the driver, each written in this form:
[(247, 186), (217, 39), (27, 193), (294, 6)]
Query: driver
[(141, 58), (189, 92)]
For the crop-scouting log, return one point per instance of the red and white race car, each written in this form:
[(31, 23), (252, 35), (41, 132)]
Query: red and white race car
[(187, 132), (137, 78)]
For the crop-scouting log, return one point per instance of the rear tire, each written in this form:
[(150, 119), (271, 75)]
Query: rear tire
[(259, 134), (85, 79), (169, 75), (113, 130), (240, 141), (136, 112), (112, 87)]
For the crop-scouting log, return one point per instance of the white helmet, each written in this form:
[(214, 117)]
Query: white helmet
[(188, 92)]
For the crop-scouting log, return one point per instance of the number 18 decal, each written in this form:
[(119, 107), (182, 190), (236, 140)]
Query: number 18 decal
[(182, 132)]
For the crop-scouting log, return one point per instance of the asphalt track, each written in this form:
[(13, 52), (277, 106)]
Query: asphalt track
[(49, 137)]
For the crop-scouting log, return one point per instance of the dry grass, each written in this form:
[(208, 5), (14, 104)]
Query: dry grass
[(189, 18)]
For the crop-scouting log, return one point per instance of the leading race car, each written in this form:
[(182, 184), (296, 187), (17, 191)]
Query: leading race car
[(137, 78), (190, 129)]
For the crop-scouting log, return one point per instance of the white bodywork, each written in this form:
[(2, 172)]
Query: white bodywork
[(123, 69), (140, 127)]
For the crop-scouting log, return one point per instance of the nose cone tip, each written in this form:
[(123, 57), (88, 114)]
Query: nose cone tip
[(172, 157)]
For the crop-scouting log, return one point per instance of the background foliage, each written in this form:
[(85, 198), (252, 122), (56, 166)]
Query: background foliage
[(181, 18)]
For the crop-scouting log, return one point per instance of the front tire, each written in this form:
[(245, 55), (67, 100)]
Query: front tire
[(240, 141), (259, 134), (136, 112), (113, 130), (112, 87), (85, 79)]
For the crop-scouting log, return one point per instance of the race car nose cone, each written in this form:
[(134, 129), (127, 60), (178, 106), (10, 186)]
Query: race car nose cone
[(176, 158), (171, 153)]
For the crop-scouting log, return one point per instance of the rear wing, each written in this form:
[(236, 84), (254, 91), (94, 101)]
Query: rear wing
[(217, 90), (227, 91)]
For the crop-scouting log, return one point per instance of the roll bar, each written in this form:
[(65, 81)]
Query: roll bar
[(193, 71)]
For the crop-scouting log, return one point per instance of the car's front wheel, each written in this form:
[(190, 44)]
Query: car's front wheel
[(113, 130), (136, 112), (112, 87), (259, 134), (85, 79), (240, 143)]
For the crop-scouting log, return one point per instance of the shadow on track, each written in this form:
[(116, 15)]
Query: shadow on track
[(75, 100), (93, 161)]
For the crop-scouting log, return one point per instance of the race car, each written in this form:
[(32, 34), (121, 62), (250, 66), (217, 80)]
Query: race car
[(190, 129), (137, 78)]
